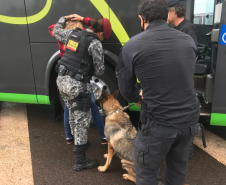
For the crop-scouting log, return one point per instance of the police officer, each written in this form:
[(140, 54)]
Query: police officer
[(82, 59), (162, 58), (176, 14)]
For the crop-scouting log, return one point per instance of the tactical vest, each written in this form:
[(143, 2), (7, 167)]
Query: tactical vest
[(76, 57)]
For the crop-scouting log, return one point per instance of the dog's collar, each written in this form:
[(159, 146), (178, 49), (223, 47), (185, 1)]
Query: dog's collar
[(122, 109), (114, 112)]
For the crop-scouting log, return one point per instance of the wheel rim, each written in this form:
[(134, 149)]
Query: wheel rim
[(97, 86)]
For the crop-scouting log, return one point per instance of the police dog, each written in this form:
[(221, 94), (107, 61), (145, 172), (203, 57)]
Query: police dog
[(120, 135)]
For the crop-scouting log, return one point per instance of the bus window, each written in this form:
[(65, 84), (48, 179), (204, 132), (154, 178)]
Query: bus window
[(203, 12)]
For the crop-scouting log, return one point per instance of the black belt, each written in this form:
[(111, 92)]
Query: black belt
[(62, 71)]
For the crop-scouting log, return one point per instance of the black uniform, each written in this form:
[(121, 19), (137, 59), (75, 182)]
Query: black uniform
[(162, 58), (188, 28)]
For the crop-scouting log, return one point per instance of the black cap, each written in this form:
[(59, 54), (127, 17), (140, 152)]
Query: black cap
[(174, 3)]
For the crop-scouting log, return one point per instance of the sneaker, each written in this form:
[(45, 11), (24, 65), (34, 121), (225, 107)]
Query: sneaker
[(69, 141), (104, 141)]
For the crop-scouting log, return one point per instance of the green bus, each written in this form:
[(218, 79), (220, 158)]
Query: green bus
[(29, 54)]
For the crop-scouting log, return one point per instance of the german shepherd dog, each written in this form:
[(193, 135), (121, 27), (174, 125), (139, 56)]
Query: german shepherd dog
[(120, 135)]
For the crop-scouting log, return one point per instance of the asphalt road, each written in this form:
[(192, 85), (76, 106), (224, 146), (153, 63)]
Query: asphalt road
[(53, 160)]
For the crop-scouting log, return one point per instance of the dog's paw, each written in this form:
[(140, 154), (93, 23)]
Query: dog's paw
[(128, 177), (102, 168), (105, 156)]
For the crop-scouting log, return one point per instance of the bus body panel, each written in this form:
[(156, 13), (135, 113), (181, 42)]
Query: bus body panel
[(39, 30), (16, 72), (129, 19), (41, 54)]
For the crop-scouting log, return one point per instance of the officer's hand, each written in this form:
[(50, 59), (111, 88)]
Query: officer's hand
[(196, 58), (141, 94), (74, 17)]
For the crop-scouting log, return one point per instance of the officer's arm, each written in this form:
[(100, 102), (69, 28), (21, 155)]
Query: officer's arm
[(95, 49), (59, 32), (193, 33), (76, 17), (127, 80), (50, 29), (87, 21), (194, 45)]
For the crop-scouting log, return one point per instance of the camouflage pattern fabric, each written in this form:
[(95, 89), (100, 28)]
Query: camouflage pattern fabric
[(59, 32), (95, 49), (69, 88), (79, 121)]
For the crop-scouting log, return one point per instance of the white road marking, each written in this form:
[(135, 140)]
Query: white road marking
[(216, 146), (15, 155)]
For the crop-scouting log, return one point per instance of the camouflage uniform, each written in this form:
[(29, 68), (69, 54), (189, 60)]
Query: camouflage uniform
[(70, 88)]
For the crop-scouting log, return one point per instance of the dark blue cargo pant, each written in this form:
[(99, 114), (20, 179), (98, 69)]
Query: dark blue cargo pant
[(155, 141)]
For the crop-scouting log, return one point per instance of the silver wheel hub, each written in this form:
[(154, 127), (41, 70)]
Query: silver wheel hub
[(98, 85)]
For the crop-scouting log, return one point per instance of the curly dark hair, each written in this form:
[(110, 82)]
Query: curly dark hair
[(180, 11), (152, 10), (97, 25)]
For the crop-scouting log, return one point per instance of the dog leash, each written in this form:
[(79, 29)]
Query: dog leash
[(123, 109), (128, 106)]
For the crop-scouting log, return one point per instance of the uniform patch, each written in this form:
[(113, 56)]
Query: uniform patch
[(72, 45)]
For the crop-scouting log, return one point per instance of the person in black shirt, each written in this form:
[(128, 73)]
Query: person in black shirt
[(162, 58), (176, 15)]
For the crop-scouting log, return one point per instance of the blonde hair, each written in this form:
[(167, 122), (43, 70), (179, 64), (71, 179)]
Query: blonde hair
[(71, 25)]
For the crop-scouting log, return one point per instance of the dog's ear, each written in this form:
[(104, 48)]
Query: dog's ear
[(103, 96), (115, 94)]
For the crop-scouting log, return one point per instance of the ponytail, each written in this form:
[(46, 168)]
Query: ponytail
[(97, 25)]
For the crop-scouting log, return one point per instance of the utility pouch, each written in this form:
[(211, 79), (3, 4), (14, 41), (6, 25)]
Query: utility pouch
[(78, 77), (61, 70), (143, 113), (83, 103), (86, 103)]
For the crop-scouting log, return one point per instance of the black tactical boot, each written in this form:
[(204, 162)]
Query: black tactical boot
[(82, 162), (87, 145)]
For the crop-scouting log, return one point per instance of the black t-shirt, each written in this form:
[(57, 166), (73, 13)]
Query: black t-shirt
[(188, 28)]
